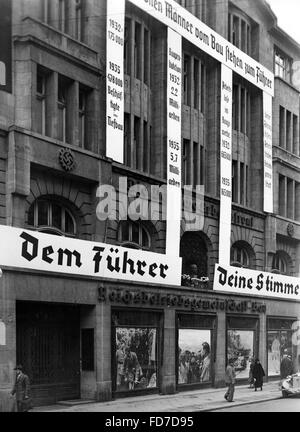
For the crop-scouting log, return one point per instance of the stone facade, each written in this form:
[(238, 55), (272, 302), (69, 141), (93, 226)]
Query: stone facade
[(33, 132)]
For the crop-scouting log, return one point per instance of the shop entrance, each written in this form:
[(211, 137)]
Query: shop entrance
[(48, 347)]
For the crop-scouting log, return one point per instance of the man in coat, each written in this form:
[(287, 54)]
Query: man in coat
[(258, 375), (230, 381), (21, 389), (286, 366)]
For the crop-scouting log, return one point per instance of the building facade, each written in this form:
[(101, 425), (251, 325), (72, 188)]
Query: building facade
[(72, 332)]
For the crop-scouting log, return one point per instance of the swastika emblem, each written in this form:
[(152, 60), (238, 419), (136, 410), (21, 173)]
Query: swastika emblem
[(67, 159)]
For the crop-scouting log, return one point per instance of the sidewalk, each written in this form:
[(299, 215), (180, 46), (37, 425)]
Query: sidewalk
[(189, 401)]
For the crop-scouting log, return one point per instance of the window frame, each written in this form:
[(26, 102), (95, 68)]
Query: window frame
[(129, 242), (49, 228)]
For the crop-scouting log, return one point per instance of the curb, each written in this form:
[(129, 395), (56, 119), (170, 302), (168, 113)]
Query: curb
[(251, 402)]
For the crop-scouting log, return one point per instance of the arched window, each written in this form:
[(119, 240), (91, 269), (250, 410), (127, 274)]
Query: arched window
[(134, 235), (239, 256), (279, 264), (51, 217), (194, 253)]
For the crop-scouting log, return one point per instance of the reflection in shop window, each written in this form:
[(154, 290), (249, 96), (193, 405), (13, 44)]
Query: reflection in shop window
[(240, 348), (194, 349), (136, 358), (279, 343)]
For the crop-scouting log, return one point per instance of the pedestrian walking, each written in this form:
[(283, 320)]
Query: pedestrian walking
[(258, 375), (286, 366), (230, 381), (251, 379), (22, 390)]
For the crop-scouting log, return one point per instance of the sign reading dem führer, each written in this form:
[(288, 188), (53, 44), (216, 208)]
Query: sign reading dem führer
[(236, 280)]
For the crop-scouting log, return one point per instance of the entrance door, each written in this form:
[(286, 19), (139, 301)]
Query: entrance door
[(48, 347)]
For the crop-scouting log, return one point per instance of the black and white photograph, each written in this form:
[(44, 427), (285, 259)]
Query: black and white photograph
[(149, 209)]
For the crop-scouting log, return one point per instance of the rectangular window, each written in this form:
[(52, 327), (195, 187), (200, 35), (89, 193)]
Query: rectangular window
[(194, 356), (82, 116), (279, 339), (282, 195), (136, 358), (242, 183), (234, 181), (186, 162), (235, 107), (127, 146), (282, 128), (196, 165), (240, 349), (137, 142), (282, 65), (288, 131), (126, 46), (62, 109), (147, 50), (290, 198), (87, 349), (40, 111), (137, 51), (62, 15), (295, 135), (196, 84), (146, 154), (79, 20), (186, 80)]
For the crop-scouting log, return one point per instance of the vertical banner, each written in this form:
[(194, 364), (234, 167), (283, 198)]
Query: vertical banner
[(268, 154), (6, 46), (174, 84), (225, 166), (115, 80)]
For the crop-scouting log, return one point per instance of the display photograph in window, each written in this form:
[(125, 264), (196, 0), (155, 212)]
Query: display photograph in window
[(194, 350), (273, 353), (240, 344), (136, 358)]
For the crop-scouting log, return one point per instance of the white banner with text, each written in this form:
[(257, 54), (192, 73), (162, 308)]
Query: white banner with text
[(235, 280), (268, 154), (174, 90), (191, 28), (115, 80), (33, 250), (225, 166)]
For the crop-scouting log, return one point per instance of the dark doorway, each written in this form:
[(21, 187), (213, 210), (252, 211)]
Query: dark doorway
[(48, 347)]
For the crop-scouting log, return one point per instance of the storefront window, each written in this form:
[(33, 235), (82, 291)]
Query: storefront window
[(279, 343), (136, 358), (240, 348), (194, 356)]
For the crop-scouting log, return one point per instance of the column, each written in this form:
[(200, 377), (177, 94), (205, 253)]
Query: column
[(221, 354), (7, 340), (168, 375), (103, 353), (262, 352)]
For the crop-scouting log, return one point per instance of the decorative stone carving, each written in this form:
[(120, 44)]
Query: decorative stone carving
[(67, 159)]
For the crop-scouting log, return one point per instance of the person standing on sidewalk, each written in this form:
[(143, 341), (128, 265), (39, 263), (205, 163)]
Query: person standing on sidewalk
[(22, 390), (286, 366), (258, 375), (230, 381)]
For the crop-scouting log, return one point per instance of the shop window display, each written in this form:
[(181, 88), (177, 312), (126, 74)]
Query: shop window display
[(279, 342), (240, 348), (136, 358), (194, 356)]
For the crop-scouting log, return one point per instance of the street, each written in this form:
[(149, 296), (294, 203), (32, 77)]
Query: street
[(284, 405)]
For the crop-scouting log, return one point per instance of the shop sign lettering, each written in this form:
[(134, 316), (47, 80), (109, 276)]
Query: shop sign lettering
[(141, 298), (250, 282)]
